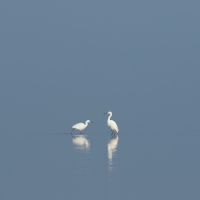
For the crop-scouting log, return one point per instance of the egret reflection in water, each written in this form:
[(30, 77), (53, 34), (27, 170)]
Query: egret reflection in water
[(112, 148), (81, 142)]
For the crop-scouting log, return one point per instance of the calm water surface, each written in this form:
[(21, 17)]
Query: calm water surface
[(98, 166)]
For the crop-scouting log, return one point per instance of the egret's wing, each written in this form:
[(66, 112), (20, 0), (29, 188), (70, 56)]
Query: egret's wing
[(114, 125), (77, 125)]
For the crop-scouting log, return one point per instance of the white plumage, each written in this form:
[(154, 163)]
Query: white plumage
[(112, 124), (80, 126)]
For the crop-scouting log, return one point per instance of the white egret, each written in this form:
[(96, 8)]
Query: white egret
[(112, 124), (80, 126)]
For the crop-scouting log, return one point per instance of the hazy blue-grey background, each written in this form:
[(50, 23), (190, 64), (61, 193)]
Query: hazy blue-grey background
[(64, 62)]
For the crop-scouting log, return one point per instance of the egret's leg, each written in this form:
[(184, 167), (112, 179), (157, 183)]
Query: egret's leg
[(80, 132), (72, 130)]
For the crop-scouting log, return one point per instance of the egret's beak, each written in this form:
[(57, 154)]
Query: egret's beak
[(105, 113)]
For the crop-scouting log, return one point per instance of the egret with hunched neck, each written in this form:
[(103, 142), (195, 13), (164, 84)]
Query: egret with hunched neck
[(112, 124), (80, 126)]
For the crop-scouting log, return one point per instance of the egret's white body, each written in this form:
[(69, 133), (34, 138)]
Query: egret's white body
[(112, 124), (80, 126)]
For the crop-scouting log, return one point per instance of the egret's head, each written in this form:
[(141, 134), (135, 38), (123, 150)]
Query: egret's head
[(89, 121), (109, 113)]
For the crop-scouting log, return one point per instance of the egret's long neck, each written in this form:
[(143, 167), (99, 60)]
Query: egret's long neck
[(86, 123), (110, 115)]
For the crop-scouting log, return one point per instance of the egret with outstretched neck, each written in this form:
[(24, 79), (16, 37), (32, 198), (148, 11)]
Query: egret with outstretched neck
[(80, 126), (112, 124)]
